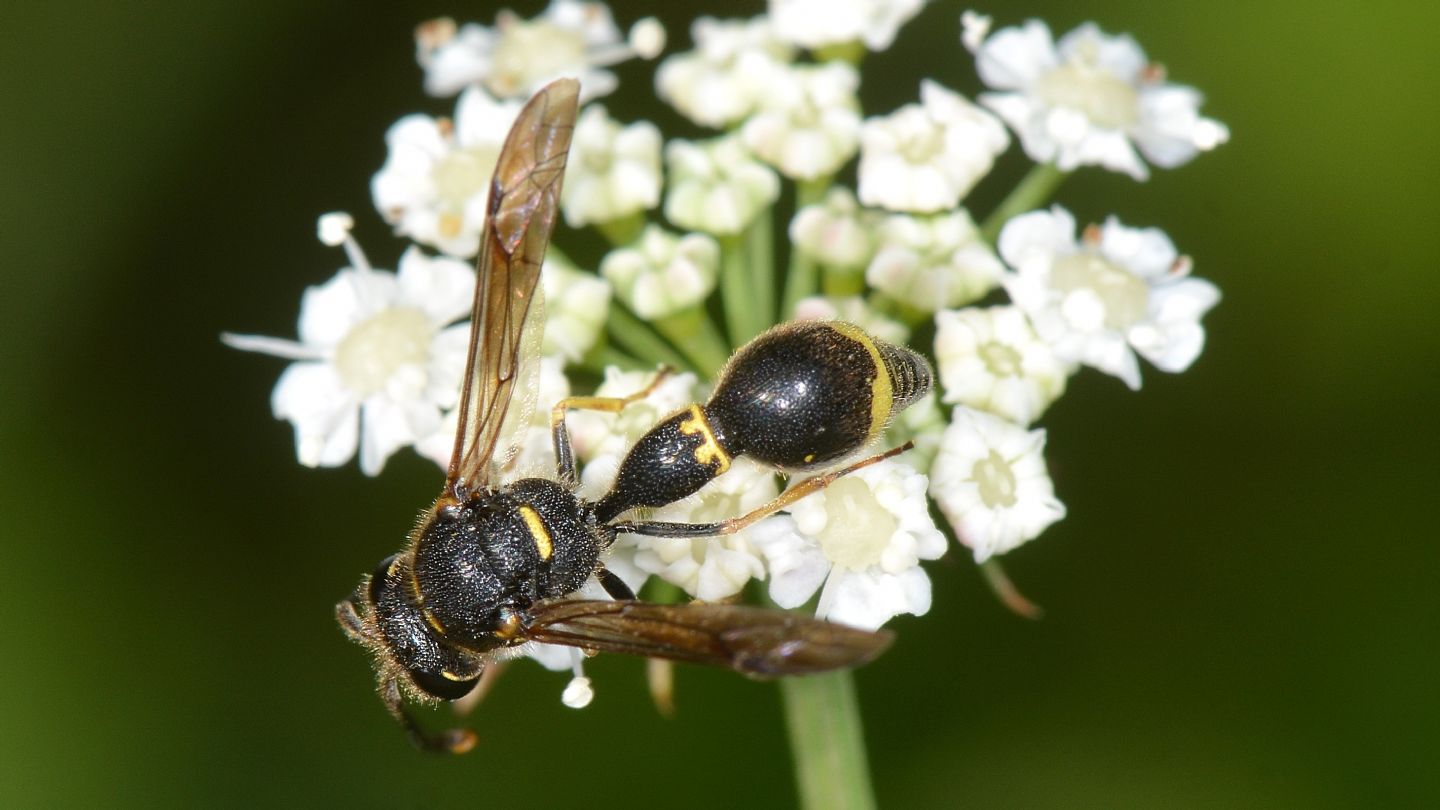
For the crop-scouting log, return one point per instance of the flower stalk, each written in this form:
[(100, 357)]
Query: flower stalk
[(822, 716), (640, 340), (1034, 190), (803, 277), (697, 338), (760, 245), (743, 320)]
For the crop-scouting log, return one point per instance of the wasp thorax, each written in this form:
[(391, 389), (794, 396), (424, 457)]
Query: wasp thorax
[(497, 553), (434, 667)]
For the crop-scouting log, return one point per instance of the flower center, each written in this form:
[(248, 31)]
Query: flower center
[(463, 173), (857, 528), (1099, 94), (530, 51), (597, 161), (995, 479), (919, 148), (1001, 360), (376, 348), (1125, 297)]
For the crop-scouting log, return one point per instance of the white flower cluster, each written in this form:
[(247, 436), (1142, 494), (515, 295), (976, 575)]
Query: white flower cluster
[(378, 362)]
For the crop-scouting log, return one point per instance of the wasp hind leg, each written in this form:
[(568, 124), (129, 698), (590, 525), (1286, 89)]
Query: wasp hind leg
[(816, 483), (564, 455)]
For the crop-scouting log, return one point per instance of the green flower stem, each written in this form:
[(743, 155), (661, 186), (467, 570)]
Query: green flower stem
[(896, 310), (697, 337), (640, 340), (601, 356), (839, 283), (826, 740), (743, 319), (760, 247), (1005, 590), (1034, 190), (622, 231), (803, 277)]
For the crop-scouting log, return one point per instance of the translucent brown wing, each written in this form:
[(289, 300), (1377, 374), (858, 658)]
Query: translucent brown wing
[(751, 640), (523, 200)]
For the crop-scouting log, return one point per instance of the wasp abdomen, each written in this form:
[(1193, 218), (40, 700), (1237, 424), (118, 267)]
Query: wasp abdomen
[(798, 396), (674, 459), (805, 394)]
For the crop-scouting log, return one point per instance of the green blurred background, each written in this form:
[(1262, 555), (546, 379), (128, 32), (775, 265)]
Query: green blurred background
[(1241, 607)]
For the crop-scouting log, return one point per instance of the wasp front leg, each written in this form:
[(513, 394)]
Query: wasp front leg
[(560, 434)]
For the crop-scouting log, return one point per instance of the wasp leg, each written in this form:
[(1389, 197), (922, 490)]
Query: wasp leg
[(789, 496), (613, 585), (488, 679), (564, 456), (452, 741)]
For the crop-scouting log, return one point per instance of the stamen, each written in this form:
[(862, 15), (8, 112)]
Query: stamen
[(578, 693), (334, 230), (647, 38), (334, 227), (974, 28)]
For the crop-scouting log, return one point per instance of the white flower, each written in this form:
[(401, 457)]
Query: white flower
[(925, 157), (613, 172), (851, 309), (921, 423), (991, 359), (710, 568), (863, 537), (716, 186), (808, 122), (435, 184), (722, 80), (817, 23), (663, 273), (990, 481), (1091, 100), (377, 359), (517, 57), (1096, 299), (836, 232), (933, 262), (576, 305)]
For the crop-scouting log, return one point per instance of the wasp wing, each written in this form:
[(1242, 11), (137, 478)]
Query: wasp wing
[(523, 199), (751, 640)]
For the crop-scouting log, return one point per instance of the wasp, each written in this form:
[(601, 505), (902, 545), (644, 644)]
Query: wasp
[(490, 567)]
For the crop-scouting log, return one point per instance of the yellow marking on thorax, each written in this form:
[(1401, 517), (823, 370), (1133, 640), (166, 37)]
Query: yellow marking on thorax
[(432, 621), (709, 449), (538, 532), (882, 393)]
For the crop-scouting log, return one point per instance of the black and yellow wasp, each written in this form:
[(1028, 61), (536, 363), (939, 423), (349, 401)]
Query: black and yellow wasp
[(490, 566)]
